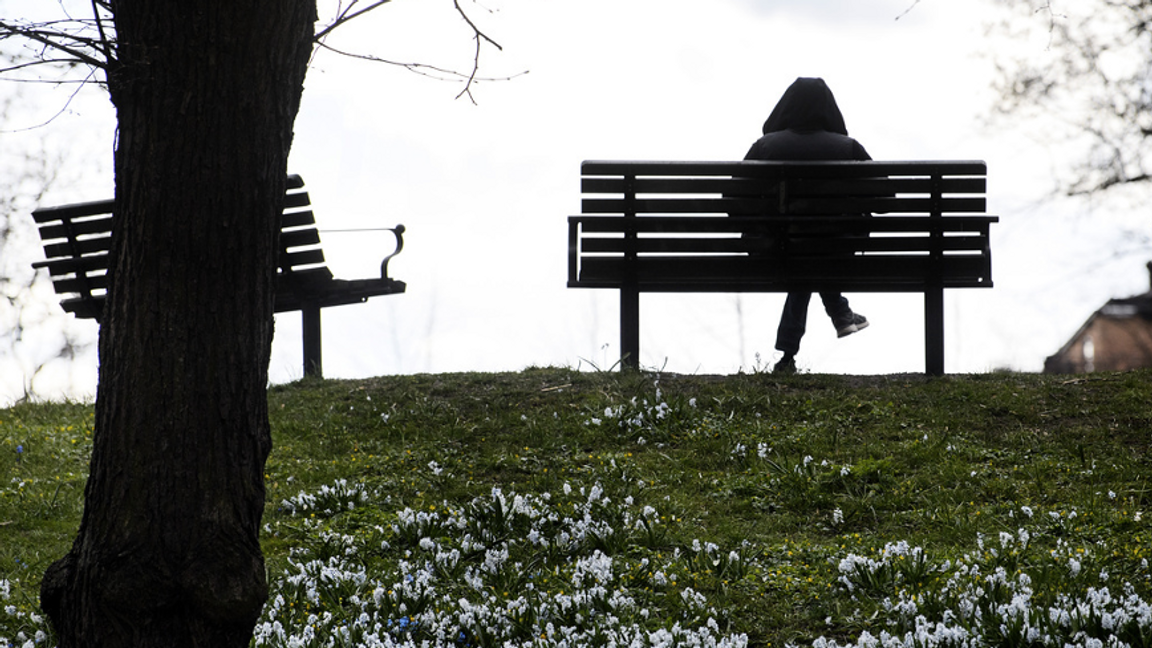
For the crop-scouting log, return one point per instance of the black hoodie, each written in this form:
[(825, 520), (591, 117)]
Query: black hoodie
[(806, 124)]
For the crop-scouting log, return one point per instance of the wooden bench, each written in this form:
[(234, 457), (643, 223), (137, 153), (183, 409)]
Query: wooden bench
[(77, 239), (758, 226)]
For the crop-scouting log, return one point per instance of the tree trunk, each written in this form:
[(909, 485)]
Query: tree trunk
[(167, 553)]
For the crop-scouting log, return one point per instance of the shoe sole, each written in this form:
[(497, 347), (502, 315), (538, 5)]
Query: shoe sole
[(851, 328)]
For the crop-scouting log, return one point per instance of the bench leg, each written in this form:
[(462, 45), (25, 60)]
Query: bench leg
[(629, 328), (934, 331), (313, 365)]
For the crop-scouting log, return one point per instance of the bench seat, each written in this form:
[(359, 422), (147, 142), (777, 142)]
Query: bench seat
[(760, 226), (77, 240)]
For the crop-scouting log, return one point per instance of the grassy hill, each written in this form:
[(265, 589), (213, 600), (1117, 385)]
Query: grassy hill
[(551, 507)]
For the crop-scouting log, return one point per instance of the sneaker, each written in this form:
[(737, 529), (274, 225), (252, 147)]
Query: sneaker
[(786, 365), (856, 322)]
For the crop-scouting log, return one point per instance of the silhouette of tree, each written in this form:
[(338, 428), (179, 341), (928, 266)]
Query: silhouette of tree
[(1085, 67), (206, 94)]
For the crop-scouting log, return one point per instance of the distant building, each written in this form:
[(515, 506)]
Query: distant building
[(1117, 337)]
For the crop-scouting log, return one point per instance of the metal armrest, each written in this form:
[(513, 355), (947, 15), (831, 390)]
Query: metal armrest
[(399, 232)]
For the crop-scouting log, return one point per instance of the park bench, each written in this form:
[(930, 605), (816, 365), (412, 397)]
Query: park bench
[(77, 239), (757, 226)]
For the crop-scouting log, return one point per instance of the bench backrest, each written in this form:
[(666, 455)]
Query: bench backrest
[(77, 241), (720, 226)]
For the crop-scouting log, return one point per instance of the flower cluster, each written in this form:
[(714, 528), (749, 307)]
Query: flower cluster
[(640, 414), (327, 501), (30, 627), (1010, 592), (507, 569)]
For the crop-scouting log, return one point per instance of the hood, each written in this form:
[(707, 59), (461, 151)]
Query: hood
[(807, 105)]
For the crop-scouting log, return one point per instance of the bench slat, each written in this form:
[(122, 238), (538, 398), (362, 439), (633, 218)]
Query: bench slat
[(294, 200), (77, 228), (840, 205), (751, 224), (299, 238), (81, 284), (82, 246), (76, 210), (771, 168), (826, 247), (755, 186), (896, 273), (293, 261)]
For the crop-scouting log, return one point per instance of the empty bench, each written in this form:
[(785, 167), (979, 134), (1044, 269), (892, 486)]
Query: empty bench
[(758, 226), (77, 240)]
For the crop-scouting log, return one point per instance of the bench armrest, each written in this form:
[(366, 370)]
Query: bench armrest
[(399, 232)]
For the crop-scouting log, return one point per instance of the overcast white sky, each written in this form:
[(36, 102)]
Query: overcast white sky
[(485, 190)]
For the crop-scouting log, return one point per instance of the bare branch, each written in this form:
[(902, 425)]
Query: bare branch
[(105, 44), (423, 69), (479, 37), (72, 97), (908, 10), (346, 15), (61, 41)]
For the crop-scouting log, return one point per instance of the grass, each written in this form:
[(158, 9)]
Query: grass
[(551, 507)]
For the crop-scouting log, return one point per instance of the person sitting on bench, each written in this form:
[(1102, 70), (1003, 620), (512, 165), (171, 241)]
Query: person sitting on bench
[(807, 124)]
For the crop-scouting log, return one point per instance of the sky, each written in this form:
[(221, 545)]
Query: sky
[(484, 189)]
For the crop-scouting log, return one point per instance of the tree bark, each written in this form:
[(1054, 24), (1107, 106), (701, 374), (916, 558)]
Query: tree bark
[(206, 93)]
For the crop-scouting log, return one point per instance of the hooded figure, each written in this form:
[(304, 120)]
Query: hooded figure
[(806, 124)]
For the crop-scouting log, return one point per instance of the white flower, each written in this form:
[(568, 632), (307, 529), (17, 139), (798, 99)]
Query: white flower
[(837, 517)]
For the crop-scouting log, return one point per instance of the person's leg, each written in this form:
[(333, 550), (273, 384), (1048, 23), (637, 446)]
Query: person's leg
[(836, 306), (843, 318), (793, 323)]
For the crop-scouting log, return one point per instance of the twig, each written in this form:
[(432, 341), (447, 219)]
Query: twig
[(909, 9), (480, 37), (55, 40), (347, 15)]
